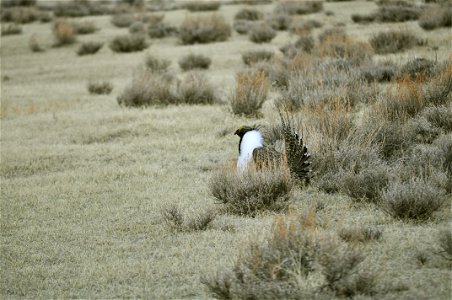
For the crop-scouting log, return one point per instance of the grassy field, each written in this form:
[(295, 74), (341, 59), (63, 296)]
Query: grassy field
[(84, 181)]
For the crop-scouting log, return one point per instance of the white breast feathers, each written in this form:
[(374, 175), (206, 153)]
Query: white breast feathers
[(250, 141)]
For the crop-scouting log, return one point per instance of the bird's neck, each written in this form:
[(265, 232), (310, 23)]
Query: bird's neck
[(248, 142)]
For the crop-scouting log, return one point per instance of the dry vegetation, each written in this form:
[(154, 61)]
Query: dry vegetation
[(118, 170)]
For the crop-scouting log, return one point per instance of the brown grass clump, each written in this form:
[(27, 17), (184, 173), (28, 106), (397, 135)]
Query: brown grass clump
[(194, 61), (11, 29), (100, 87), (412, 200), (394, 41), (248, 14), (202, 5), (204, 29), (64, 32), (89, 48), (261, 33), (179, 222), (299, 7), (360, 234), (195, 88), (253, 191), (338, 46), (128, 43), (433, 17), (147, 89), (251, 57), (250, 93)]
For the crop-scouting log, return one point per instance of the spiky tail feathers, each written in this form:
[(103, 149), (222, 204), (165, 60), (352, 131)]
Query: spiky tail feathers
[(296, 152)]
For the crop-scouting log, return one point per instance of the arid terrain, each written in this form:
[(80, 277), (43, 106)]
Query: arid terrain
[(118, 171)]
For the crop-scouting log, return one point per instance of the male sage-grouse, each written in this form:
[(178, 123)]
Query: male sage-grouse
[(252, 148)]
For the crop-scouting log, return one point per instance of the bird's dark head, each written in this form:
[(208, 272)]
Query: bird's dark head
[(244, 129)]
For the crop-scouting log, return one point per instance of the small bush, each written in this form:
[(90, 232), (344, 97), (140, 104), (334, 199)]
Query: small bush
[(100, 87), (436, 17), (413, 200), (345, 48), (360, 234), (77, 8), (147, 89), (161, 30), (418, 68), (268, 189), (261, 33), (194, 61), (248, 14), (34, 45), (280, 21), (202, 5), (179, 222), (128, 43), (20, 15), (393, 41), (365, 184), (137, 27), (363, 19), (195, 89), (250, 93), (204, 29), (381, 72), (13, 3), (89, 48), (251, 57), (156, 65), (397, 13), (85, 27), (122, 20), (64, 33), (299, 8), (439, 116), (445, 243), (11, 29), (242, 26)]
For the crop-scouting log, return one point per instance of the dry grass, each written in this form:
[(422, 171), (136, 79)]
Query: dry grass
[(394, 41), (250, 93), (64, 32), (11, 29), (195, 88), (84, 181), (99, 87)]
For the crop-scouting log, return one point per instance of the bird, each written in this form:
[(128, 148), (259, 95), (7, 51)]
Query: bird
[(253, 149)]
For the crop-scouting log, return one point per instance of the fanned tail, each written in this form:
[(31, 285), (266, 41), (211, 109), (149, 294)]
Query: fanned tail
[(296, 152)]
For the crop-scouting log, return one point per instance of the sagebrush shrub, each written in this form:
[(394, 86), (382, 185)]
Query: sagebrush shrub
[(85, 27), (64, 32), (147, 89), (299, 7), (360, 234), (397, 13), (128, 43), (445, 243), (180, 222), (366, 184), (204, 29), (34, 44), (195, 88), (250, 93), (194, 61), (394, 41), (436, 17), (345, 48), (161, 30), (280, 21), (412, 200), (202, 5), (248, 14), (11, 29), (261, 33), (89, 48), (155, 64), (20, 15), (254, 56), (137, 27), (382, 72), (242, 26), (99, 87), (122, 20), (254, 191)]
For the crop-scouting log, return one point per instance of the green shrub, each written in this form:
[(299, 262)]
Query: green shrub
[(89, 48), (250, 93), (194, 61), (248, 14), (100, 87), (128, 43), (254, 56), (413, 200), (394, 41), (195, 89), (261, 33), (204, 29)]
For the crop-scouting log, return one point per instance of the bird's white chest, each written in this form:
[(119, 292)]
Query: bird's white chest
[(250, 141)]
